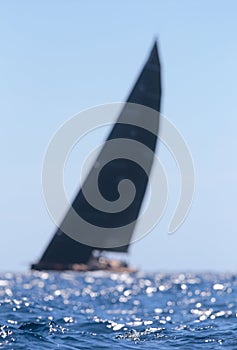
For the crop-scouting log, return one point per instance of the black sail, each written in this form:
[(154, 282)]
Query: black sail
[(62, 249)]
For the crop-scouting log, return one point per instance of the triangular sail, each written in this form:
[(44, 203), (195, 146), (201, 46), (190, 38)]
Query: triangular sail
[(62, 249)]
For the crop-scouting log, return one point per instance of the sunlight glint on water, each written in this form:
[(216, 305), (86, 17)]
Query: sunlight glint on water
[(95, 310)]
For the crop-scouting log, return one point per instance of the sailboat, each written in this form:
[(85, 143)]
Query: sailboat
[(65, 253)]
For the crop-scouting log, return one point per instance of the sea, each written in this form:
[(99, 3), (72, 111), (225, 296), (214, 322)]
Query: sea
[(102, 310)]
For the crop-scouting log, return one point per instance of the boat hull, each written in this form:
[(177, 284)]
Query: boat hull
[(110, 266)]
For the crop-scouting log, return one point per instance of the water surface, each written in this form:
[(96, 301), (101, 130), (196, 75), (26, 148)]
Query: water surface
[(118, 311)]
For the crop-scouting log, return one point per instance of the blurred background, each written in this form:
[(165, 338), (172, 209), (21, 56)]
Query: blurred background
[(60, 57)]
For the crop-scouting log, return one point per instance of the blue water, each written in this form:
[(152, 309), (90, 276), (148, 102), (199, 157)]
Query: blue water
[(118, 311)]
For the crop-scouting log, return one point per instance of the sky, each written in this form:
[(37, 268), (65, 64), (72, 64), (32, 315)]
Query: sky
[(61, 57)]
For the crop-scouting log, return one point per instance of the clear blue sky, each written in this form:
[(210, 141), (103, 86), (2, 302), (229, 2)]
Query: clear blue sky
[(59, 57)]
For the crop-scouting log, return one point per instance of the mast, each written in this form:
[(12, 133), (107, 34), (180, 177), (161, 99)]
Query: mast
[(63, 250)]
